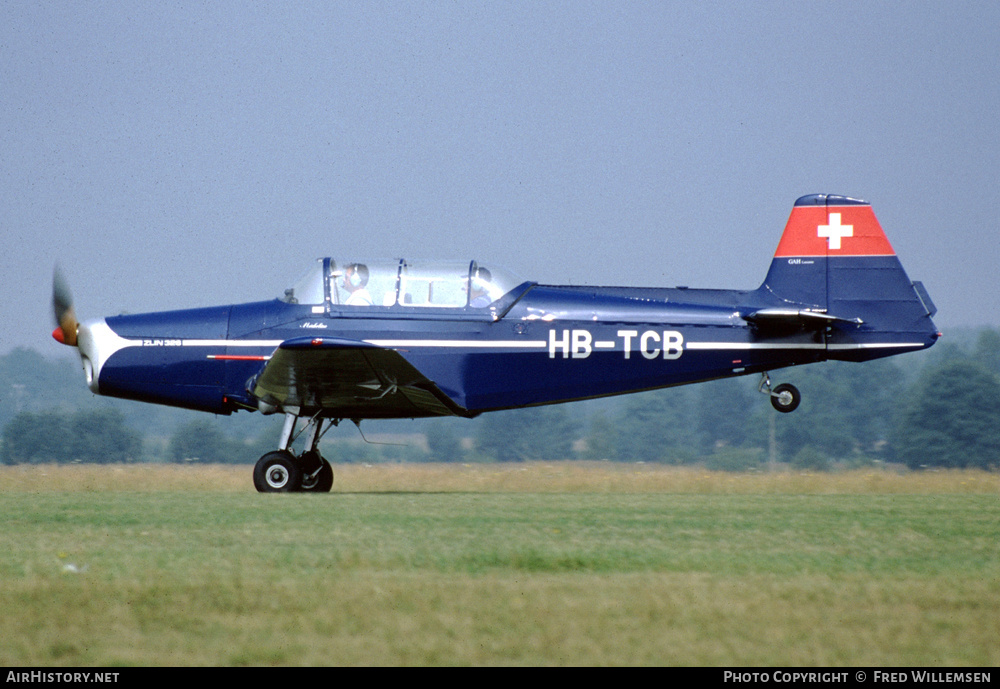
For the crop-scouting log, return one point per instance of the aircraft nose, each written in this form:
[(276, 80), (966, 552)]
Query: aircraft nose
[(90, 352), (98, 343)]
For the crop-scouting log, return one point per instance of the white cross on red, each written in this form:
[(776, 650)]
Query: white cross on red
[(834, 232)]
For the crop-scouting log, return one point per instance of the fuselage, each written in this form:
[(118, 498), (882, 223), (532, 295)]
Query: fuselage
[(538, 344)]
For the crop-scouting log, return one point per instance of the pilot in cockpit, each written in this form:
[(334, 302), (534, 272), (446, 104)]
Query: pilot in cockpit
[(356, 284), (479, 295)]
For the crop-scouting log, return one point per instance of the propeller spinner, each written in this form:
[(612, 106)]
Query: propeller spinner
[(62, 306)]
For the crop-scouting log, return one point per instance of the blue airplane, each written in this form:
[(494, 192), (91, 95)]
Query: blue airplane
[(357, 339)]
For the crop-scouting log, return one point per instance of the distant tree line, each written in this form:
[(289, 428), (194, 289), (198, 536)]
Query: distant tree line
[(95, 436), (940, 408)]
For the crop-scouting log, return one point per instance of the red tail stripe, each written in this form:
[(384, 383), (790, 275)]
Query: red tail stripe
[(803, 236)]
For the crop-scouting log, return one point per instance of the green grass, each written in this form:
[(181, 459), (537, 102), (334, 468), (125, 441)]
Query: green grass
[(668, 567)]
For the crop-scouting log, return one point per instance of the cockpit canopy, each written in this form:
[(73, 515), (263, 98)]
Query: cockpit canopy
[(442, 284)]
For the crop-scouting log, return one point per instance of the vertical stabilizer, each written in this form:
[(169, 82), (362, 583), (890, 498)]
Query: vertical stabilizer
[(835, 259)]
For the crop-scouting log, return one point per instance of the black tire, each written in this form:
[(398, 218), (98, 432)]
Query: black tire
[(785, 398), (322, 481), (277, 472)]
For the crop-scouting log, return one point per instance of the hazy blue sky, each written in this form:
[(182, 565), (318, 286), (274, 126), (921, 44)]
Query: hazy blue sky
[(185, 154)]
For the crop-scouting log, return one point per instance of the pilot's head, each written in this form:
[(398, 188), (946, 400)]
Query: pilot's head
[(355, 276), (481, 277)]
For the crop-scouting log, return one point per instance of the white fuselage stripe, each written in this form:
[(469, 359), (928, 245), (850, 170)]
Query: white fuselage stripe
[(231, 343), (878, 345), (470, 344), (750, 345), (542, 344), (774, 345)]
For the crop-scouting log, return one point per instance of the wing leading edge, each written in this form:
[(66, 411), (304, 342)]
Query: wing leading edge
[(347, 379)]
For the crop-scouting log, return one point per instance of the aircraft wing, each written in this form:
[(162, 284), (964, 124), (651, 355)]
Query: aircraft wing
[(347, 378)]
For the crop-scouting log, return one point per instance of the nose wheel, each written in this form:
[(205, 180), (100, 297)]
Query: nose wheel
[(785, 397)]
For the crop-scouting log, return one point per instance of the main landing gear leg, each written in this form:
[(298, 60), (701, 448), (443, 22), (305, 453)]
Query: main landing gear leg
[(785, 397), (283, 472)]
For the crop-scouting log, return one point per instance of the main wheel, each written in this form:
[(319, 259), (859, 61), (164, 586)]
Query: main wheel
[(317, 474), (785, 398), (277, 472)]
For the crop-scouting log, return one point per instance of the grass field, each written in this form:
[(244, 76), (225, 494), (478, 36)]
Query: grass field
[(538, 564)]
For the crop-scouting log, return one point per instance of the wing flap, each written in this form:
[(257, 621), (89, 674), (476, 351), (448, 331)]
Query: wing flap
[(349, 379)]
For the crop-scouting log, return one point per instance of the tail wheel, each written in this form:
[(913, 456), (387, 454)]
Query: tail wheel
[(785, 398), (277, 472)]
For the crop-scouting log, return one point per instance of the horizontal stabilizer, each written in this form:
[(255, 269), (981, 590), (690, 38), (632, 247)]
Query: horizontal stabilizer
[(803, 317)]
